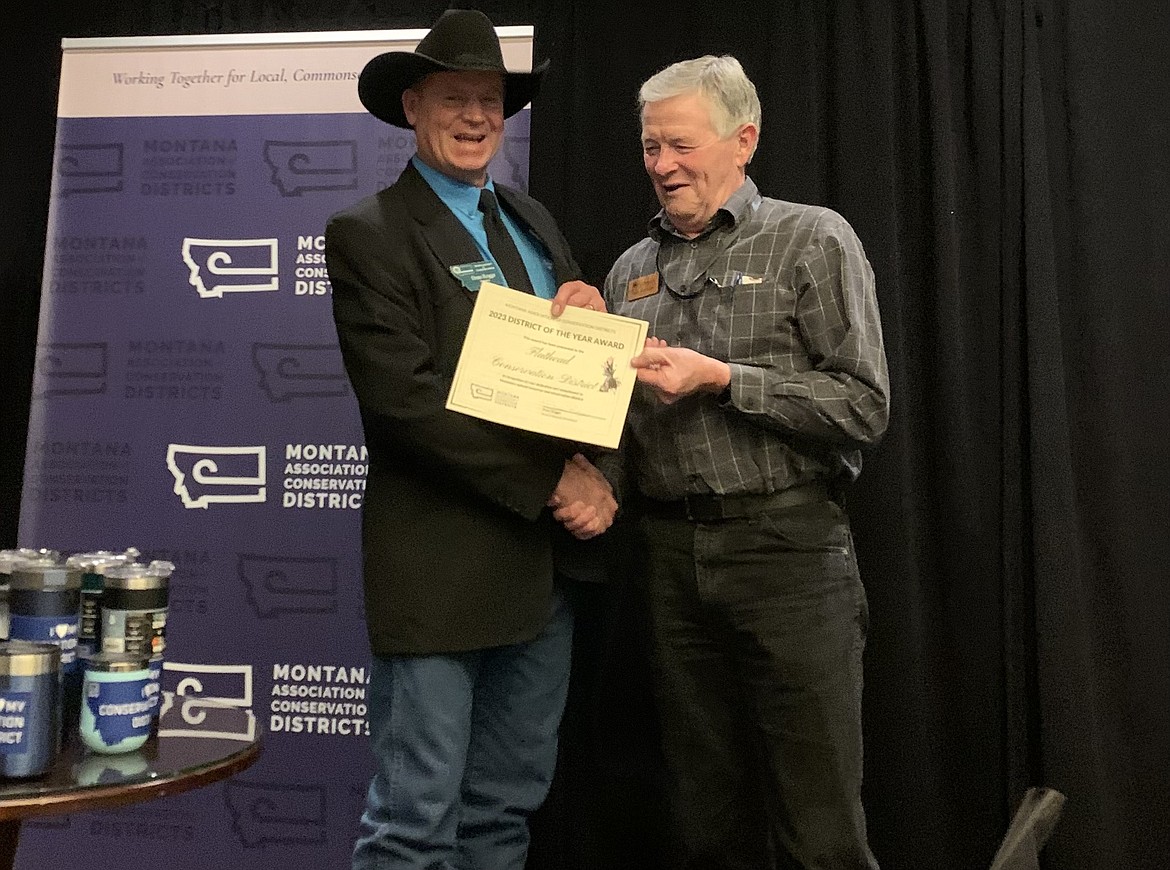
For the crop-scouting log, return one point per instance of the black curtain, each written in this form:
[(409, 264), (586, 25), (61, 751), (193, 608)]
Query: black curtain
[(1006, 165)]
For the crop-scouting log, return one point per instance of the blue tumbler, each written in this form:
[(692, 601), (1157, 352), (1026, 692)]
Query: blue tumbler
[(30, 708)]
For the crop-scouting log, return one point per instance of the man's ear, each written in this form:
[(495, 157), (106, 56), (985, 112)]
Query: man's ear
[(746, 140), (410, 98)]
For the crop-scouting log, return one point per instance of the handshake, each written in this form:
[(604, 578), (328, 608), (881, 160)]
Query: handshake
[(583, 501)]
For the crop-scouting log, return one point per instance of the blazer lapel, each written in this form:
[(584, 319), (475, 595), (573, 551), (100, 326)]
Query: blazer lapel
[(451, 244)]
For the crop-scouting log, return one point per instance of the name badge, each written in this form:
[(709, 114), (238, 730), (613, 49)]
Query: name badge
[(471, 275), (642, 287)]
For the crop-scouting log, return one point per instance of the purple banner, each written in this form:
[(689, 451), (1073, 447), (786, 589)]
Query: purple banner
[(189, 400)]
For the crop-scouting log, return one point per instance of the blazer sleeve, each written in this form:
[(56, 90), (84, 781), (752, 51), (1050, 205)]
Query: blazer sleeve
[(386, 335)]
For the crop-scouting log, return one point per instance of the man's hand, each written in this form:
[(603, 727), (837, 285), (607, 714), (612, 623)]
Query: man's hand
[(583, 501), (577, 294), (675, 372)]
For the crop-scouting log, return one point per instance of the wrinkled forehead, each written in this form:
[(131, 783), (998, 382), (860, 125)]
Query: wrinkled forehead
[(687, 113)]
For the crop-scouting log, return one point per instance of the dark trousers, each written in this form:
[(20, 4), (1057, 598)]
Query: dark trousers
[(758, 628)]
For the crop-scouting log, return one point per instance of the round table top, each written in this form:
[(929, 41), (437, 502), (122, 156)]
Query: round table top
[(184, 754)]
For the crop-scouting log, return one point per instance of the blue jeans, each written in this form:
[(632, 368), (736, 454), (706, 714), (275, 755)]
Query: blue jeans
[(466, 745), (758, 627)]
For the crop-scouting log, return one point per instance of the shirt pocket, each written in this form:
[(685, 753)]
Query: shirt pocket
[(756, 318)]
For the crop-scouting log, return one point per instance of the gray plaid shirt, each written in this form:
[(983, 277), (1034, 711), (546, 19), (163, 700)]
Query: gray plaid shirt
[(783, 293)]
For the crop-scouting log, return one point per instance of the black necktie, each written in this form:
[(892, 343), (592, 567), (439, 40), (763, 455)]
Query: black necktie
[(501, 245)]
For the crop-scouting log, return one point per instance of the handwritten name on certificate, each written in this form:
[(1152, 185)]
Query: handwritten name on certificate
[(566, 376)]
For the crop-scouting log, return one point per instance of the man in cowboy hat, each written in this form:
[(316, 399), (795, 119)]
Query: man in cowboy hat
[(467, 620)]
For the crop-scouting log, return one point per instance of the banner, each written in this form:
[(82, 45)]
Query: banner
[(189, 400)]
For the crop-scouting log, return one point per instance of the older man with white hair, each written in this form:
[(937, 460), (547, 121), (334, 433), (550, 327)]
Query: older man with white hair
[(765, 376)]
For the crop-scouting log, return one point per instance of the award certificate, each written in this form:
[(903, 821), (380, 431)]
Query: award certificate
[(566, 376)]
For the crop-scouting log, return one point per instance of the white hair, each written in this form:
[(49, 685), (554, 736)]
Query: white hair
[(720, 80)]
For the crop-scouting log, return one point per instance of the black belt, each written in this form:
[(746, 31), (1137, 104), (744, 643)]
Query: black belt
[(710, 508)]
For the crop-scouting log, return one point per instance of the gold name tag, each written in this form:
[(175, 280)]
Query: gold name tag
[(642, 287)]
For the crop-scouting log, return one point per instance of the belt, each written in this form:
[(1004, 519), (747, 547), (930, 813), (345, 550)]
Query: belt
[(711, 508)]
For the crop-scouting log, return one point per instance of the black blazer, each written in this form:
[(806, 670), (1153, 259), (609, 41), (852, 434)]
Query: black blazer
[(457, 541)]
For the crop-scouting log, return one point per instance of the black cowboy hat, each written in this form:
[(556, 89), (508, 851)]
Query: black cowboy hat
[(462, 40)]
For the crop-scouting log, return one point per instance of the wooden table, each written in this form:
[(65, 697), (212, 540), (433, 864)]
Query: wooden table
[(174, 761)]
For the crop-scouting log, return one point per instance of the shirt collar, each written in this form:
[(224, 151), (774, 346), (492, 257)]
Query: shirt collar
[(458, 195), (732, 213)]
